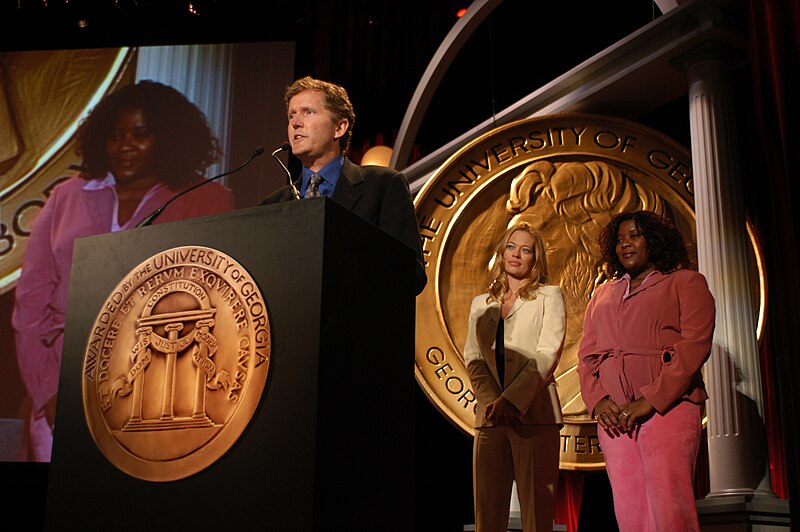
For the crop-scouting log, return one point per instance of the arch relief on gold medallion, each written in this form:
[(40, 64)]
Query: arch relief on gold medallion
[(176, 363)]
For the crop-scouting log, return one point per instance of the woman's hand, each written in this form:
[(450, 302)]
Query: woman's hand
[(633, 411), (607, 413), (501, 412)]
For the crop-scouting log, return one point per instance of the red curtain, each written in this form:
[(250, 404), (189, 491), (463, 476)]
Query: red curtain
[(774, 40), (569, 496)]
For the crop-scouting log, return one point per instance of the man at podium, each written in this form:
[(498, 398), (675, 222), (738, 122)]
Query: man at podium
[(320, 126)]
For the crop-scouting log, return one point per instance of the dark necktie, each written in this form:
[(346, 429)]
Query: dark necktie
[(312, 191)]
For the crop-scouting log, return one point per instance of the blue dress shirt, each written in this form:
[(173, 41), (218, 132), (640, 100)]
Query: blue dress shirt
[(330, 176)]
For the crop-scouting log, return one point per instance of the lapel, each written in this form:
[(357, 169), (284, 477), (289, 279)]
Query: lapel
[(347, 190), (653, 279), (515, 307), (99, 216)]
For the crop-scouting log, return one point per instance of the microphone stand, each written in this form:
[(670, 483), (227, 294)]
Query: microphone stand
[(156, 213), (283, 147)]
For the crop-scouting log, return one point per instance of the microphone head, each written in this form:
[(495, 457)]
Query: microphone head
[(283, 147), (258, 151)]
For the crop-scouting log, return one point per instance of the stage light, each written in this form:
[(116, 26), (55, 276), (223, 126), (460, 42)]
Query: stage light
[(377, 156)]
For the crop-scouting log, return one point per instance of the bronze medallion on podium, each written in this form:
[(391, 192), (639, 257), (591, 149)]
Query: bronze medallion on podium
[(567, 175), (176, 363)]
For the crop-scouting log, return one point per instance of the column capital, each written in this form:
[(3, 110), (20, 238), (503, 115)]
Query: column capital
[(721, 54)]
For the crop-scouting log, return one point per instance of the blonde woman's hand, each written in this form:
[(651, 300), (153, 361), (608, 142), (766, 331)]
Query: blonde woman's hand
[(501, 412)]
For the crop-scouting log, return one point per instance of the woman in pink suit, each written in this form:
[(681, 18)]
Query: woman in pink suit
[(646, 336), (140, 146), (514, 341)]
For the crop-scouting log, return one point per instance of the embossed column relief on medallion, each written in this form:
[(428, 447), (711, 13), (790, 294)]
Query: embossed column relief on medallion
[(176, 363), (567, 175)]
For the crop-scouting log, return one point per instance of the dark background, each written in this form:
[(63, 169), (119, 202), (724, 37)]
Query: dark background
[(379, 51)]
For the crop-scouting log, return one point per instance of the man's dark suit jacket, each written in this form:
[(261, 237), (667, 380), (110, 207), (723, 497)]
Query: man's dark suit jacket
[(379, 195)]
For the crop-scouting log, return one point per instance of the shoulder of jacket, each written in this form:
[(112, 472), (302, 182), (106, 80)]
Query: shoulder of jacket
[(550, 290), (480, 299), (687, 276), (69, 184), (685, 272), (379, 173), (214, 189), (606, 286)]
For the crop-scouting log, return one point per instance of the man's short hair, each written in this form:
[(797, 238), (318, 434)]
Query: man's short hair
[(336, 102)]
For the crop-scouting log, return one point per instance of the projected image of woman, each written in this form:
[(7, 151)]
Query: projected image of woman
[(140, 146)]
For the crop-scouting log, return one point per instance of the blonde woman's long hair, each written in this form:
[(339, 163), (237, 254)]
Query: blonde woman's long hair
[(498, 278)]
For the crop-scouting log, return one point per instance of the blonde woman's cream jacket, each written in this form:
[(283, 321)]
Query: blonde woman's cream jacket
[(533, 339)]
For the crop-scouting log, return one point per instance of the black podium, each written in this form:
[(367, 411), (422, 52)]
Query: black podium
[(330, 444)]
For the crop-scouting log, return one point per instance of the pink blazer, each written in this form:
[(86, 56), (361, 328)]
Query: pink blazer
[(72, 212), (651, 343)]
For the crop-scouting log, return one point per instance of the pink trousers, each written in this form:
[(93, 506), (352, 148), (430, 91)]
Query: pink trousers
[(652, 471)]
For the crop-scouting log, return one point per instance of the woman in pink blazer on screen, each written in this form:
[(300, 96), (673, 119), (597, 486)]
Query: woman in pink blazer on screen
[(139, 147), (646, 336), (514, 341)]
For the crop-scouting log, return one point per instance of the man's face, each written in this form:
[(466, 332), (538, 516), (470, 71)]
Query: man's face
[(313, 134)]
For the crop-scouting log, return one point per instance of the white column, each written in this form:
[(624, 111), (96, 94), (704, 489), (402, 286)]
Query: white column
[(737, 448), (738, 461), (740, 497)]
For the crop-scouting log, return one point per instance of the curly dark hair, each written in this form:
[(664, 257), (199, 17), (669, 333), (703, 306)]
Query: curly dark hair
[(666, 247), (184, 144)]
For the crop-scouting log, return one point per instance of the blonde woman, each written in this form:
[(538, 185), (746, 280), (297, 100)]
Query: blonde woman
[(514, 341)]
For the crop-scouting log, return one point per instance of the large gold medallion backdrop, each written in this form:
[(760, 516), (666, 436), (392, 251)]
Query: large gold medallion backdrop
[(567, 175), (176, 363), (43, 97)]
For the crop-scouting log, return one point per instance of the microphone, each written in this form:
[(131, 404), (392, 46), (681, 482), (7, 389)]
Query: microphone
[(156, 213), (283, 147)]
